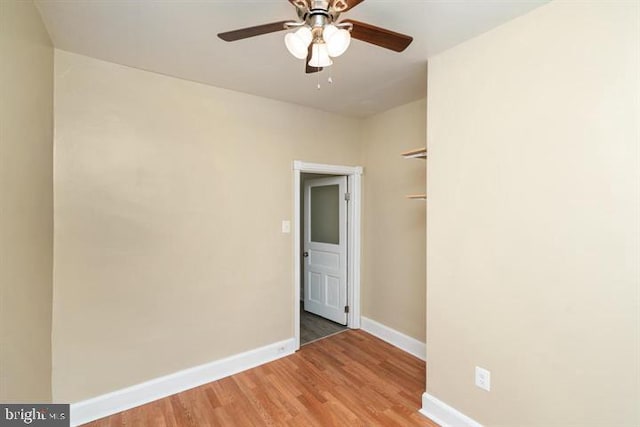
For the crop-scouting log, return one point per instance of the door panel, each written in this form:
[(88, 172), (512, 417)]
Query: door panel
[(315, 287), (333, 292), (324, 260), (325, 246)]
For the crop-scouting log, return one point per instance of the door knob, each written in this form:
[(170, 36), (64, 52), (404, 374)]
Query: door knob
[(305, 254)]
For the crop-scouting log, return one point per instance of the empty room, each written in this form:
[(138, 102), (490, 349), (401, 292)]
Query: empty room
[(320, 213)]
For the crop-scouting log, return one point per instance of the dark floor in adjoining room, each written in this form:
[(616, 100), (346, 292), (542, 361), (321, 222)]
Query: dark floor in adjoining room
[(313, 327)]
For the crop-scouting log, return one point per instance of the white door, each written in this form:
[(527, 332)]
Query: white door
[(325, 248)]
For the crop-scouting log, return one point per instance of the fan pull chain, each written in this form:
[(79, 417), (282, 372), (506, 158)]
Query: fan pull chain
[(330, 79)]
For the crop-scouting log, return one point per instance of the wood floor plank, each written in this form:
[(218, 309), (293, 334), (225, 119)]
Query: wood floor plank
[(349, 379)]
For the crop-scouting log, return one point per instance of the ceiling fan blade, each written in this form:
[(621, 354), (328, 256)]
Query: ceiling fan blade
[(243, 33), (345, 5), (308, 68), (379, 36)]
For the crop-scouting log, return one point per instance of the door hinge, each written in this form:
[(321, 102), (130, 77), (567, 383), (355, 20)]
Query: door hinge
[(346, 308), (347, 196)]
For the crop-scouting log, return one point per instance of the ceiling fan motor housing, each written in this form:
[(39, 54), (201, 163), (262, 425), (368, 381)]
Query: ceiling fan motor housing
[(318, 16), (317, 21)]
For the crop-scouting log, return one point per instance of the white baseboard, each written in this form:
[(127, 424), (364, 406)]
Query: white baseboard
[(130, 397), (443, 414), (393, 337)]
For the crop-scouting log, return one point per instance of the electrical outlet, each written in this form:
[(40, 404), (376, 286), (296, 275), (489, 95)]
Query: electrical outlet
[(483, 378)]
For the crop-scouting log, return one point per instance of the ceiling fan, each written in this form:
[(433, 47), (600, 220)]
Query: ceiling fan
[(319, 36)]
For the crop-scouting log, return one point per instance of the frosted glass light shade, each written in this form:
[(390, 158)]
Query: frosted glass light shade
[(337, 40), (328, 31), (320, 56), (298, 42)]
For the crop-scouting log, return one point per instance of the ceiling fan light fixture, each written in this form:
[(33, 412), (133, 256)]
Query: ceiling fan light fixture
[(328, 31), (320, 56), (298, 42), (337, 40)]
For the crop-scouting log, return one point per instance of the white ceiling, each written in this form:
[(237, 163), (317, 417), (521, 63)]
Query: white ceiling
[(178, 38)]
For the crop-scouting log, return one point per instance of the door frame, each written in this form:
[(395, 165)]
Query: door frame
[(354, 184)]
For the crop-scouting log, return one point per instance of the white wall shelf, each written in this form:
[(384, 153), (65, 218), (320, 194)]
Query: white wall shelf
[(418, 153)]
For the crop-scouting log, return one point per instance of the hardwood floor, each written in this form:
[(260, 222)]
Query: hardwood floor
[(349, 379)]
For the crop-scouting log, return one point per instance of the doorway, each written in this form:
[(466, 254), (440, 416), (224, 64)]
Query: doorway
[(326, 255), (323, 229)]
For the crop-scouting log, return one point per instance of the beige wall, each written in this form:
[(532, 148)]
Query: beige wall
[(393, 270), (533, 219), (169, 202), (26, 204)]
